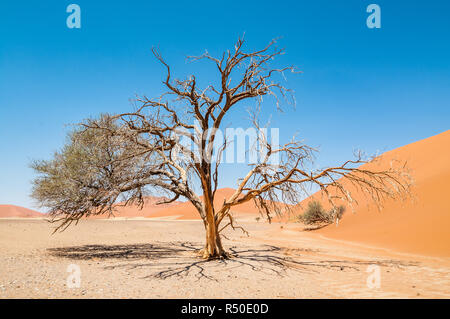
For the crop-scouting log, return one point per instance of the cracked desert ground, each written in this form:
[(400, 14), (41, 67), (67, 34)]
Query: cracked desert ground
[(155, 258)]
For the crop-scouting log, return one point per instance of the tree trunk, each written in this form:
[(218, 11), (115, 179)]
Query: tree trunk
[(213, 248)]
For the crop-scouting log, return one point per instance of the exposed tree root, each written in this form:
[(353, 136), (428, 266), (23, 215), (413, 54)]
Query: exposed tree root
[(217, 255)]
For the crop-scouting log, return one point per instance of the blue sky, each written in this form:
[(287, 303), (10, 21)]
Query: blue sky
[(374, 89)]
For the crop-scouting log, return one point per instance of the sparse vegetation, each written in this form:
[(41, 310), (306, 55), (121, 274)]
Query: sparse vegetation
[(315, 214)]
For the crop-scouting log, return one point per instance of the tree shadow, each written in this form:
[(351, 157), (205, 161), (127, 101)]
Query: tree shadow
[(315, 227), (178, 259), (133, 251)]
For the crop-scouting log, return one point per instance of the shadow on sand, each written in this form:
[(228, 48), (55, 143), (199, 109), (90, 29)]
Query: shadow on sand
[(177, 259)]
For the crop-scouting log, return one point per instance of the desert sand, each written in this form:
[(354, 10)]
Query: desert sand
[(156, 259)]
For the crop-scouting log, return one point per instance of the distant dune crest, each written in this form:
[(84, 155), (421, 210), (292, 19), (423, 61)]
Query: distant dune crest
[(17, 211)]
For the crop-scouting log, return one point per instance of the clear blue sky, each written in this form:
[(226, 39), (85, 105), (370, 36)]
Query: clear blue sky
[(375, 89)]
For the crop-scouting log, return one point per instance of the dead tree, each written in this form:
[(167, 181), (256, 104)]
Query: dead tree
[(128, 154)]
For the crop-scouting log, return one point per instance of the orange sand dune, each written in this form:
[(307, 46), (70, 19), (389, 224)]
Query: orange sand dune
[(186, 210), (421, 226), (17, 211), (150, 207), (176, 210)]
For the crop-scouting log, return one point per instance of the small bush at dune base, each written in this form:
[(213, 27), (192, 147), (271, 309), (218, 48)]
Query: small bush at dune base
[(316, 214)]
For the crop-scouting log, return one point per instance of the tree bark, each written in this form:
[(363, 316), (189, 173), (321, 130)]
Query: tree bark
[(213, 247)]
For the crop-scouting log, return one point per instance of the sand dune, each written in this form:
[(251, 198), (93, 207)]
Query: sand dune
[(186, 210), (177, 210), (150, 207), (419, 227), (17, 211)]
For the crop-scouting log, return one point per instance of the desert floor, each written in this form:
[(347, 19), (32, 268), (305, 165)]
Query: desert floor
[(156, 259)]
